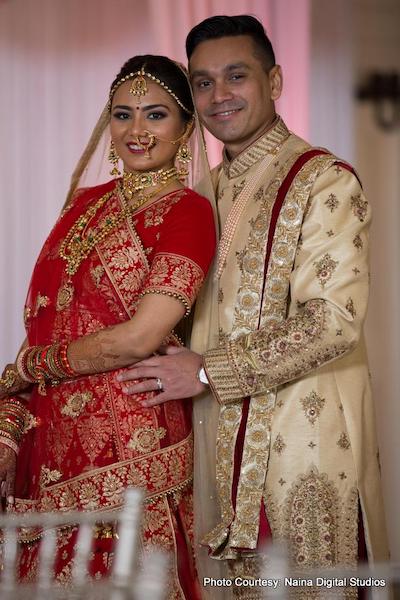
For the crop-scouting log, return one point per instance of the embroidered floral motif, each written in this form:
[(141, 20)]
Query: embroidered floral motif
[(330, 233), (76, 404), (41, 302), (359, 206), (64, 296), (339, 331), (350, 307), (113, 489), (155, 214), (324, 268), (279, 445), (145, 439), (312, 406), (97, 273), (48, 476), (342, 475), (176, 276), (311, 520), (31, 422), (356, 271), (281, 481), (343, 442), (220, 295), (312, 445), (358, 243), (332, 202), (123, 252)]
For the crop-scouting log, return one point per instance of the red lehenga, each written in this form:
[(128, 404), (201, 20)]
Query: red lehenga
[(91, 440)]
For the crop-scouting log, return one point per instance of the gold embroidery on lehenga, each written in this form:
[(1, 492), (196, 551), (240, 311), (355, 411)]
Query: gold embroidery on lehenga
[(64, 296), (41, 302), (76, 404), (97, 273), (145, 439), (48, 476), (27, 314), (155, 214)]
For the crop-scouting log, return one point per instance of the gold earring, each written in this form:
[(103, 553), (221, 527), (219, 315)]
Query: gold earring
[(183, 157), (114, 158)]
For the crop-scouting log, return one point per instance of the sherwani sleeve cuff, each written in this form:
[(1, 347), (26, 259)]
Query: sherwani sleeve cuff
[(228, 383)]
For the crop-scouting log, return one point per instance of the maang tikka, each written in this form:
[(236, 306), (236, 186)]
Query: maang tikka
[(114, 158), (139, 85)]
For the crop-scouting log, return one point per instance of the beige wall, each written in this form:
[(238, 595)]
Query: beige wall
[(349, 38), (377, 26)]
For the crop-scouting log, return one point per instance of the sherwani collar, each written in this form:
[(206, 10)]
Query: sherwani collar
[(266, 144)]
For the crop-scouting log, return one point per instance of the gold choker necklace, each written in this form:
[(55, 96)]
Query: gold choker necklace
[(133, 183)]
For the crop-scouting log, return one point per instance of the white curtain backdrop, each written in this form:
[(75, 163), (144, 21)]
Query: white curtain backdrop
[(57, 59)]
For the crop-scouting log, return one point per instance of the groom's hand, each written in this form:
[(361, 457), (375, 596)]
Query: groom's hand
[(173, 373)]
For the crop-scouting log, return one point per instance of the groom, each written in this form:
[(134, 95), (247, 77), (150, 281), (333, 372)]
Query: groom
[(296, 450)]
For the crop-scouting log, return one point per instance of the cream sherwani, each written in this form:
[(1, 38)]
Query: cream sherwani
[(292, 298)]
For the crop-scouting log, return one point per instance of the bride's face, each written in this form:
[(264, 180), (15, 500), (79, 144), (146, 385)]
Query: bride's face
[(156, 114)]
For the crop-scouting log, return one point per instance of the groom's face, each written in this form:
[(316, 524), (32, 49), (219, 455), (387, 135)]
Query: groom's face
[(233, 92)]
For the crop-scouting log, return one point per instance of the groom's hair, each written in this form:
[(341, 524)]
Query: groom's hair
[(225, 26)]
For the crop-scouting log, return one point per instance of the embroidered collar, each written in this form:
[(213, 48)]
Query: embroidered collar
[(267, 143)]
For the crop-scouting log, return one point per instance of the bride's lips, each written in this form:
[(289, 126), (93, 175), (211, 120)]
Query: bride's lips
[(135, 149)]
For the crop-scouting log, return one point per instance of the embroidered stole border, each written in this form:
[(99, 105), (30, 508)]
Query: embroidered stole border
[(279, 224)]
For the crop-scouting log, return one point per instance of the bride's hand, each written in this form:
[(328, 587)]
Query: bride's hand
[(8, 465)]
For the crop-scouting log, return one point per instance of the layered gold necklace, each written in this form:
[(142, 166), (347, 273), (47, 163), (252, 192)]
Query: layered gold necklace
[(81, 238)]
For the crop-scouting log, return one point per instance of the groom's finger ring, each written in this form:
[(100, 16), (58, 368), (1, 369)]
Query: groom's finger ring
[(159, 384)]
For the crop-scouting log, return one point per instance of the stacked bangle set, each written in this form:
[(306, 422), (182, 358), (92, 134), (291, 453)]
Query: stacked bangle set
[(38, 364), (13, 420)]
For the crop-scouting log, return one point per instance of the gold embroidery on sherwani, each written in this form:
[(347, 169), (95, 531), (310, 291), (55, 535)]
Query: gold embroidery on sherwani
[(343, 441), (279, 444), (357, 241), (332, 202), (350, 307), (324, 268), (359, 206), (244, 529), (312, 406)]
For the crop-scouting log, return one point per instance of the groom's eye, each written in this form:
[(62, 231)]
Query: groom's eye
[(203, 84)]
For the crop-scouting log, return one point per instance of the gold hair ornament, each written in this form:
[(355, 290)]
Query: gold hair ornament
[(139, 87)]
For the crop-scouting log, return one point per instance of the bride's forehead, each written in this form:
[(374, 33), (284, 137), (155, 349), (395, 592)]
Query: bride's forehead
[(153, 93)]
